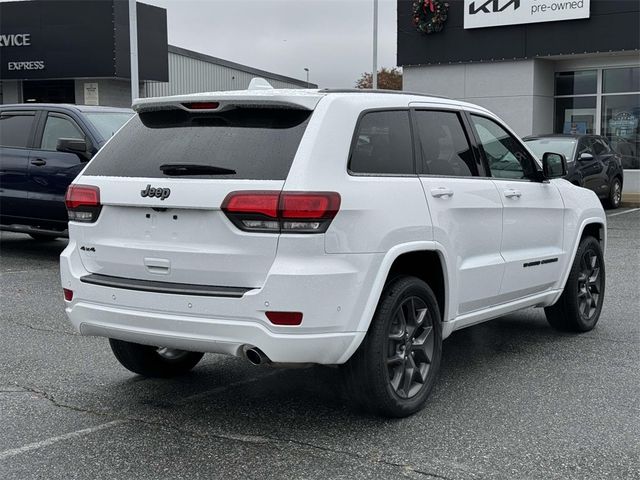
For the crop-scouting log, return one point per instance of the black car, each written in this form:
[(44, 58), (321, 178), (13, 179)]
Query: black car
[(591, 163), (42, 149)]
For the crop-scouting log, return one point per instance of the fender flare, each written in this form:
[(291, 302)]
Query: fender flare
[(602, 223), (379, 282)]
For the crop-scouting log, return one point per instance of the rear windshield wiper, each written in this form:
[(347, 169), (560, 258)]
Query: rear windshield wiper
[(176, 169)]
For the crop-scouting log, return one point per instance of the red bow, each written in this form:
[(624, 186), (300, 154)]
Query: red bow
[(431, 4)]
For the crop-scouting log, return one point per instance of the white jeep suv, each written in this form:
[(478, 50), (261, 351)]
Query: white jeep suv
[(330, 227)]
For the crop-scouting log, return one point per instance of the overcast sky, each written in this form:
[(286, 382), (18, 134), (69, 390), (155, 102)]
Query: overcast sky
[(333, 38)]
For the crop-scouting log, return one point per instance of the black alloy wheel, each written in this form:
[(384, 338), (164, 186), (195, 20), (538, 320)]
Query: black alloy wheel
[(589, 284), (578, 308), (410, 347), (395, 368)]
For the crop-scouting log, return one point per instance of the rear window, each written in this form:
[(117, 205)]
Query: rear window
[(258, 143)]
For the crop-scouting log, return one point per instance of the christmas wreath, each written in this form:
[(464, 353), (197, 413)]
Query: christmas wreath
[(429, 15)]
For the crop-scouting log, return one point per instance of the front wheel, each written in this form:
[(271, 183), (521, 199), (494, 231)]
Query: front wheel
[(153, 361), (580, 304), (615, 194), (395, 368)]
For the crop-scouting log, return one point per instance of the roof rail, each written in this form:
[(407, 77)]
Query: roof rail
[(369, 90)]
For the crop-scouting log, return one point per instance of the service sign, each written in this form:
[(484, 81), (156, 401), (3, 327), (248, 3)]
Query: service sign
[(494, 13)]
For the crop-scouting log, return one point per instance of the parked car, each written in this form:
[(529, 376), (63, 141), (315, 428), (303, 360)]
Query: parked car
[(323, 227), (42, 149), (591, 162)]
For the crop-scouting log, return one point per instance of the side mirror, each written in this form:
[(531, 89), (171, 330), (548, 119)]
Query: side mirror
[(554, 165), (73, 145), (585, 157)]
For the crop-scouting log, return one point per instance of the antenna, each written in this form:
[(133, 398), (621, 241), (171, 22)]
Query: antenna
[(258, 83)]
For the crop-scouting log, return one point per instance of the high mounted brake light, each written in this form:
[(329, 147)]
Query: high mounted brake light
[(281, 212), (202, 105), (83, 203)]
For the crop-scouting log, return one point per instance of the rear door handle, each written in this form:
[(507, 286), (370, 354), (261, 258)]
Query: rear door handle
[(38, 162), (441, 192), (512, 193)]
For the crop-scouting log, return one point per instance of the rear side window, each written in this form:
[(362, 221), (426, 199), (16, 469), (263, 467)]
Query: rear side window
[(443, 144), (15, 128), (256, 143), (383, 144)]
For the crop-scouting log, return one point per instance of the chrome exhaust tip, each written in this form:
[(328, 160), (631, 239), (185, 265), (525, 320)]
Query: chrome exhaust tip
[(256, 356)]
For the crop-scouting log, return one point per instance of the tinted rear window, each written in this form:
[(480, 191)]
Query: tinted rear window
[(258, 143), (15, 128)]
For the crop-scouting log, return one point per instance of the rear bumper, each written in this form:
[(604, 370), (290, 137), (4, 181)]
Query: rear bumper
[(332, 305)]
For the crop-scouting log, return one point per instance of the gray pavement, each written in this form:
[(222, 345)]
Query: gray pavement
[(515, 400)]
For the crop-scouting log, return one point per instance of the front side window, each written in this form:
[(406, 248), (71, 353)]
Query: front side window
[(507, 158), (57, 127), (15, 129), (383, 144), (444, 146)]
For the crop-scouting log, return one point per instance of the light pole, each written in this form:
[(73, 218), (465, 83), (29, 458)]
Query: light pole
[(374, 73), (307, 70), (133, 47)]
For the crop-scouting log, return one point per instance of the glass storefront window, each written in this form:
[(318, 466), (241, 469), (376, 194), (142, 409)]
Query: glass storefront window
[(577, 83), (575, 115), (620, 80), (621, 124)]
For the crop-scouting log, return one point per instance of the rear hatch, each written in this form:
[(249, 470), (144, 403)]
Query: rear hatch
[(162, 180)]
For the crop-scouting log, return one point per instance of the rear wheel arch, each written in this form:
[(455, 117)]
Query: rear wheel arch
[(428, 266)]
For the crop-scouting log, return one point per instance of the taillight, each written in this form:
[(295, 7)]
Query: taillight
[(281, 212), (83, 203), (68, 294)]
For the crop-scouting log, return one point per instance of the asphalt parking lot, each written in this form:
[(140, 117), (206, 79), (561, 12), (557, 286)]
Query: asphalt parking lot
[(515, 400)]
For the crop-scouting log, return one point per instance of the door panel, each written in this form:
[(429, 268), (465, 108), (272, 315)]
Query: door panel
[(16, 132), (466, 211), (532, 235), (532, 214), (467, 221), (593, 171), (50, 171), (13, 183)]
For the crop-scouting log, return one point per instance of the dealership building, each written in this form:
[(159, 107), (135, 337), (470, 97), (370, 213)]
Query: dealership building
[(544, 66), (78, 52)]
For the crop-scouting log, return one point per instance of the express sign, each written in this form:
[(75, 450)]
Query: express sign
[(493, 13)]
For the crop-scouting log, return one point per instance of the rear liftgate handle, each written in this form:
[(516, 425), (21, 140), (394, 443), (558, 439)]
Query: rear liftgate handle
[(159, 266)]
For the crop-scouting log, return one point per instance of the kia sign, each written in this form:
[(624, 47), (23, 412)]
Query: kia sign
[(494, 13)]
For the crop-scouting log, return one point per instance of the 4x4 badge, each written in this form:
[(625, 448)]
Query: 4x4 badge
[(160, 193)]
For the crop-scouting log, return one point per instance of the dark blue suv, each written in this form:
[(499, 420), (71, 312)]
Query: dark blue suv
[(42, 149), (591, 162)]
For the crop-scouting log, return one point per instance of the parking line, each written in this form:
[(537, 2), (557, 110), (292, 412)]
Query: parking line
[(50, 441), (622, 213)]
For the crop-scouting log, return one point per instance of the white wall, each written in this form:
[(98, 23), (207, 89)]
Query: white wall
[(111, 92), (520, 92)]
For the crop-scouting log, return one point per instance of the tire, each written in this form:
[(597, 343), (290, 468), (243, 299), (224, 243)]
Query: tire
[(580, 304), (41, 237), (615, 194), (407, 320), (153, 361)]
